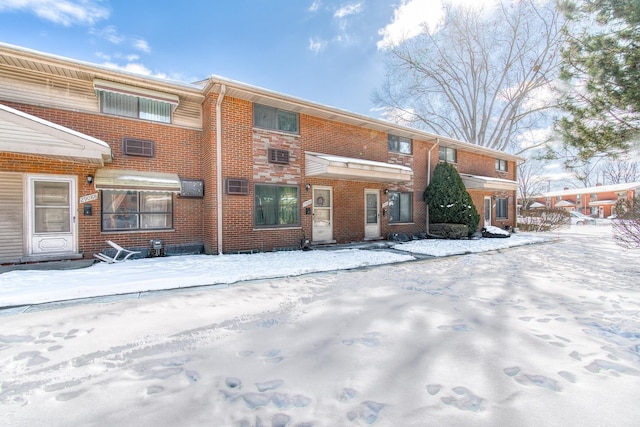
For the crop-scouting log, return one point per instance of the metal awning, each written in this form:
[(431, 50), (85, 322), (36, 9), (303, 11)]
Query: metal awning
[(565, 204), (119, 179), (26, 134), (477, 182), (348, 168), (603, 202)]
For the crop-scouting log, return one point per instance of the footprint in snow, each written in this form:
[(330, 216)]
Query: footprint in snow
[(464, 400)]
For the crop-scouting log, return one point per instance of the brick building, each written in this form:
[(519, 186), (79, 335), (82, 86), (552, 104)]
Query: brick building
[(89, 154), (598, 202)]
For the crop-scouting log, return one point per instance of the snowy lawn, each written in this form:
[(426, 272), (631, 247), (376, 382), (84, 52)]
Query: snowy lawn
[(538, 335)]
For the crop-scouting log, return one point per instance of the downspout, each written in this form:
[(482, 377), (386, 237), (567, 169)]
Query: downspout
[(429, 176), (223, 89)]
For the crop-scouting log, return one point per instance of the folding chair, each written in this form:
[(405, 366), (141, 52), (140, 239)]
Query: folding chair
[(120, 251)]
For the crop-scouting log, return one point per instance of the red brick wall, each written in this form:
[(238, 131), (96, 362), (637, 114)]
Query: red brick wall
[(177, 150)]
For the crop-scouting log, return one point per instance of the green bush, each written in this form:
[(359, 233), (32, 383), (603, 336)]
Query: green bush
[(448, 199)]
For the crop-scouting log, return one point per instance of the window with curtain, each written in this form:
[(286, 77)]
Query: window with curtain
[(120, 104), (448, 154), (274, 118), (136, 210), (501, 208), (399, 144), (400, 207), (276, 206)]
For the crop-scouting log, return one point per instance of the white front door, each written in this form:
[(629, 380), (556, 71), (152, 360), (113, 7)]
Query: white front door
[(487, 211), (322, 214), (52, 215), (371, 214)]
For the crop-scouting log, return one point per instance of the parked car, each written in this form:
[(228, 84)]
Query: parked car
[(581, 219)]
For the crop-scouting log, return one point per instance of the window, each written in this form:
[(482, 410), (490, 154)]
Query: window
[(400, 207), (399, 144), (138, 147), (134, 210), (276, 206), (280, 157), (132, 106), (501, 208), (448, 154), (501, 165), (273, 118)]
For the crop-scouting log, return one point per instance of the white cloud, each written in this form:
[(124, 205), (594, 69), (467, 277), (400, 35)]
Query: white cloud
[(64, 12), (141, 45), (315, 6), (317, 45), (108, 33), (411, 17), (348, 9)]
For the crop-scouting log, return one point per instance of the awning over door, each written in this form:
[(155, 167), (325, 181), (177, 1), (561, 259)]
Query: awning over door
[(603, 202), (476, 182), (119, 179), (338, 167), (23, 133), (565, 204)]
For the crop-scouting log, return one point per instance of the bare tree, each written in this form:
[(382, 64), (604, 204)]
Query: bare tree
[(626, 227), (479, 76), (531, 181), (619, 171)]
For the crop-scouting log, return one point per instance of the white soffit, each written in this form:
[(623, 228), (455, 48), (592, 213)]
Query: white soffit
[(348, 168), (476, 182), (26, 134), (136, 91), (120, 179)]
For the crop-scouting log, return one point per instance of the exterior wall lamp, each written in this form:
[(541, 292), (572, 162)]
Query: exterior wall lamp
[(89, 179), (307, 187)]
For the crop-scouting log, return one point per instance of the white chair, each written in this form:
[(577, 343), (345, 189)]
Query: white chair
[(117, 258)]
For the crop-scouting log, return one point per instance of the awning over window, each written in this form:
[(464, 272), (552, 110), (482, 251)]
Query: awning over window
[(348, 168), (476, 182), (23, 133), (119, 179), (136, 91)]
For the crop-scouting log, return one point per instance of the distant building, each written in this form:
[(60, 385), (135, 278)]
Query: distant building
[(598, 201)]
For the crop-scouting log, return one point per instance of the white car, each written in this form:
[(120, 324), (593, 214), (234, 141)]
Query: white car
[(581, 219)]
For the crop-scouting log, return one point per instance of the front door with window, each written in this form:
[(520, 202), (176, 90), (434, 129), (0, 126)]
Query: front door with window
[(487, 211), (322, 214), (371, 215), (52, 215)]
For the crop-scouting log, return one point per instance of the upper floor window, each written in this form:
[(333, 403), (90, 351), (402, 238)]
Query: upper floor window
[(448, 154), (274, 118), (136, 210), (136, 102), (400, 207), (501, 165), (399, 144), (132, 106)]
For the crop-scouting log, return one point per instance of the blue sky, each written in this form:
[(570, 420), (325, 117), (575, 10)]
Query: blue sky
[(326, 51)]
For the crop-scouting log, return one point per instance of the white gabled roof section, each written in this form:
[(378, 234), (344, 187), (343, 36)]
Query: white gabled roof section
[(349, 168), (23, 133), (476, 182)]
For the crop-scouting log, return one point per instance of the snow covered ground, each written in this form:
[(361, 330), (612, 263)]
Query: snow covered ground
[(537, 335)]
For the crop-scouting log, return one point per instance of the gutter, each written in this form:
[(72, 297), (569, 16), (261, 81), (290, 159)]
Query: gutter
[(223, 90)]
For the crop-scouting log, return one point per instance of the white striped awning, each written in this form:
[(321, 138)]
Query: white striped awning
[(119, 179)]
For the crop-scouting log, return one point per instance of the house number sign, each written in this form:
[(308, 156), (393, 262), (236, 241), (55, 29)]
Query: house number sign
[(89, 198)]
